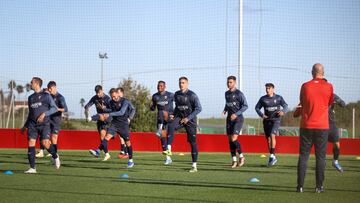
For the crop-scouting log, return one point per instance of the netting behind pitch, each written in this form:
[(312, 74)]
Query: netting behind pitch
[(163, 40)]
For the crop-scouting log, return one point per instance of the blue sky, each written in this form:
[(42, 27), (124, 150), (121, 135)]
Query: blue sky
[(163, 40)]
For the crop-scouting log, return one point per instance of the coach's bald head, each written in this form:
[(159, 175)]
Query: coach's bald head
[(317, 70)]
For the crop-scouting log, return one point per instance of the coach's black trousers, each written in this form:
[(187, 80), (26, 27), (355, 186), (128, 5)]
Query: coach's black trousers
[(308, 138)]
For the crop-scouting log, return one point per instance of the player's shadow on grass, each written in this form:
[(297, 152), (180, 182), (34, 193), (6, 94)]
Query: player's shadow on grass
[(246, 169), (118, 196), (212, 185), (224, 185), (263, 187)]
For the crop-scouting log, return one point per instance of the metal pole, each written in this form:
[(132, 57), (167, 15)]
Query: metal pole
[(9, 112), (240, 58), (353, 122), (226, 39), (1, 107), (13, 112), (102, 72)]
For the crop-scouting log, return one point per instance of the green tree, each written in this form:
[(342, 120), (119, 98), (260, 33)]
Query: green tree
[(11, 86), (140, 97)]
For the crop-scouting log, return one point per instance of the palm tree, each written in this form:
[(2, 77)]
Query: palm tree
[(19, 89), (82, 103), (28, 87)]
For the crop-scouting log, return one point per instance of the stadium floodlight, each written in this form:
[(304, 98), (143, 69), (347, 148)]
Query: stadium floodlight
[(102, 56)]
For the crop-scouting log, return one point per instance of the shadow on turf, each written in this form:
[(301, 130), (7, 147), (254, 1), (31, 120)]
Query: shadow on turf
[(223, 185), (261, 187), (136, 196)]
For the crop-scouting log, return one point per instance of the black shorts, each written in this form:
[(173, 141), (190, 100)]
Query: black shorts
[(55, 125), (190, 128), (122, 130), (39, 130), (271, 127), (234, 127), (101, 125), (333, 134)]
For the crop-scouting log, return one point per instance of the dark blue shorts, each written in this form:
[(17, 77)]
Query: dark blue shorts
[(333, 134), (161, 120), (122, 130), (39, 130), (55, 126), (271, 127), (101, 125), (190, 128), (234, 127)]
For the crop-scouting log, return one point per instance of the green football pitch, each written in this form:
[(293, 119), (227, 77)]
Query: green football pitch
[(83, 178)]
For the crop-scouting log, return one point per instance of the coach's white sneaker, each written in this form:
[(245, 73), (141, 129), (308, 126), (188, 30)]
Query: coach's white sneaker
[(107, 157), (40, 154), (49, 155), (31, 171)]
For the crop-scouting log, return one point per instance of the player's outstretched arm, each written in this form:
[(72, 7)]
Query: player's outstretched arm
[(53, 108), (122, 110), (339, 101), (258, 107), (197, 107), (63, 104), (284, 105), (244, 103)]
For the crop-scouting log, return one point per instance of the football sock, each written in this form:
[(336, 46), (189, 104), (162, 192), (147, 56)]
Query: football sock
[(31, 156)]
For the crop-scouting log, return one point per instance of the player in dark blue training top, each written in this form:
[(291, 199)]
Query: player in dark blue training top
[(121, 112), (41, 106), (235, 106), (334, 132), (123, 149), (187, 106), (101, 101), (163, 102), (274, 107), (55, 119)]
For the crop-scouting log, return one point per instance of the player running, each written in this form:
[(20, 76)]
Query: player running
[(55, 119), (121, 110), (41, 106), (163, 102), (274, 107), (187, 106), (101, 101), (235, 106)]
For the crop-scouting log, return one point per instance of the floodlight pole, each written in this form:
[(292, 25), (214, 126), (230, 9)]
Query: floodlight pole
[(102, 56), (353, 122), (240, 57)]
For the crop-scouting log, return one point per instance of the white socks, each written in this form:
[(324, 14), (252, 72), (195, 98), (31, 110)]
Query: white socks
[(169, 148)]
